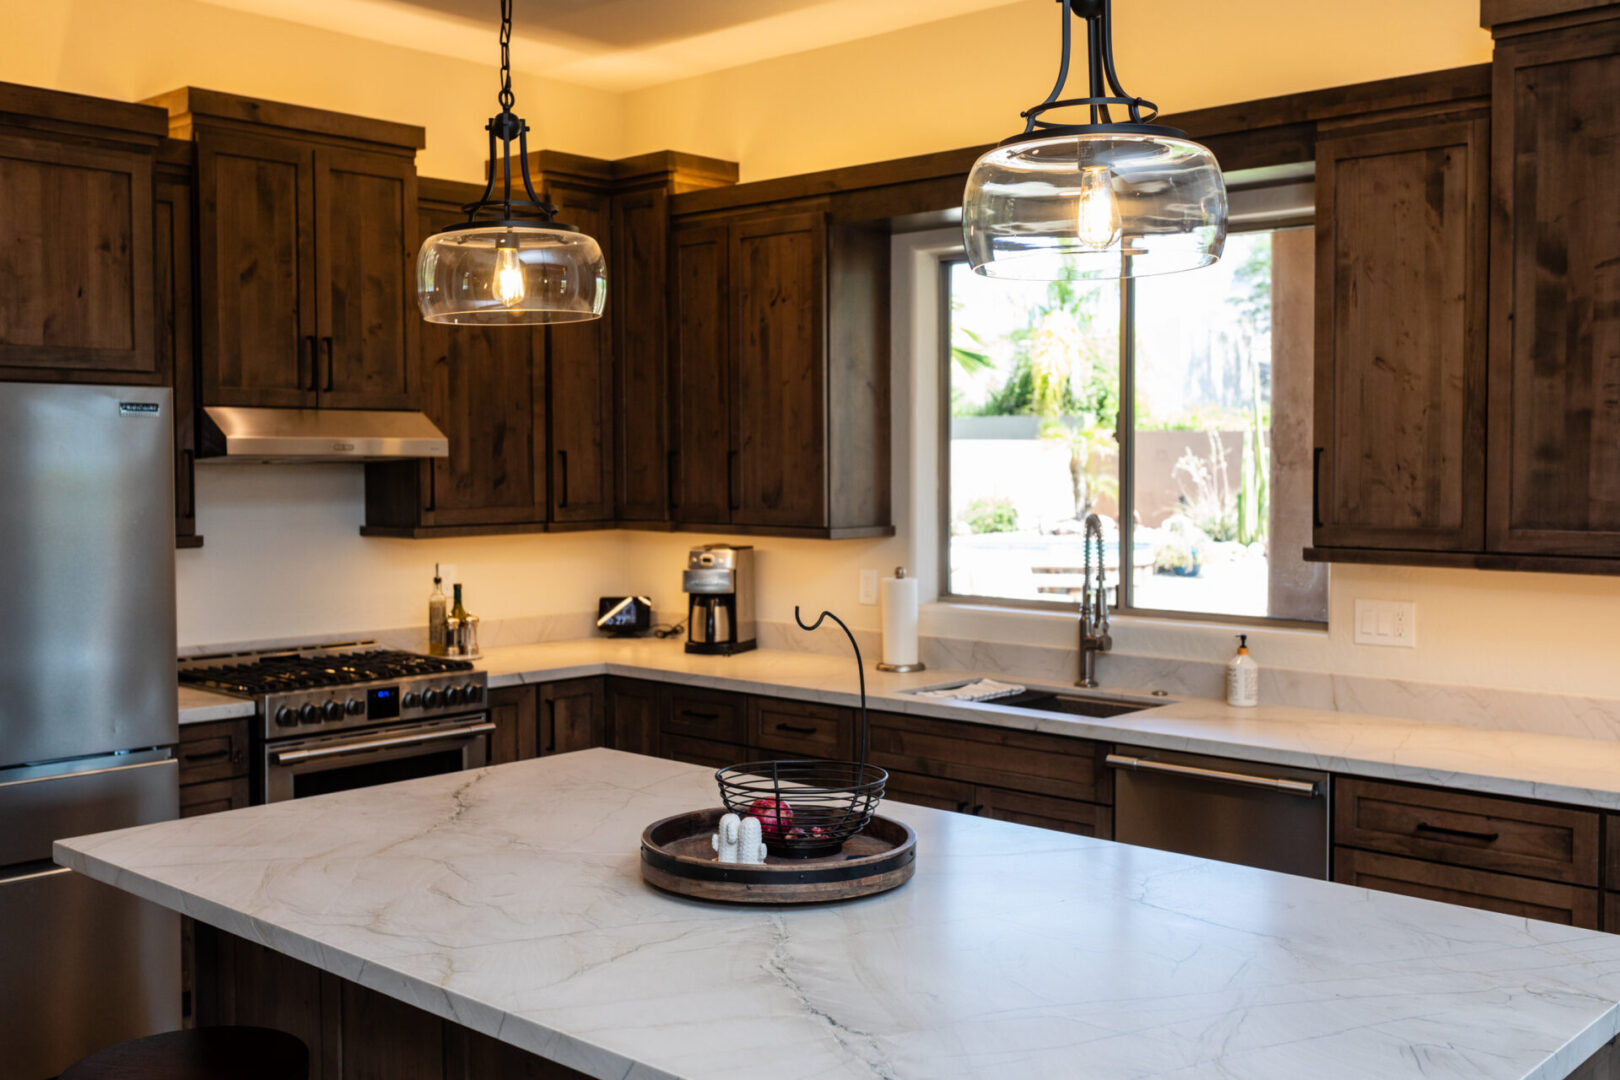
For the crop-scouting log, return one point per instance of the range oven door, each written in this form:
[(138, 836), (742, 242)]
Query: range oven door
[(297, 768)]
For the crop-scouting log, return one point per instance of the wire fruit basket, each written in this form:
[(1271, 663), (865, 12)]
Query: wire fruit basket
[(808, 808)]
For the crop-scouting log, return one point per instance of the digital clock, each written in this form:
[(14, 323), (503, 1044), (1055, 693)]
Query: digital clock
[(624, 616)]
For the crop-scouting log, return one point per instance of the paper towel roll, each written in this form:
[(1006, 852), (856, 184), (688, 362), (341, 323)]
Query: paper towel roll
[(898, 596)]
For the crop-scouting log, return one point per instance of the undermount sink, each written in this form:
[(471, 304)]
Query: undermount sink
[(1069, 703), (1050, 701)]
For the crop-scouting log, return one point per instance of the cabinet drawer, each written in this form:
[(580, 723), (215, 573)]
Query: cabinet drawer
[(1545, 900), (941, 794), (999, 757), (706, 714), (716, 755), (213, 751), (800, 728), (1492, 833), (1045, 812), (213, 797)]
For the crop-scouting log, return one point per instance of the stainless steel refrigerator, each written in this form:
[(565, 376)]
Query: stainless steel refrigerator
[(87, 713)]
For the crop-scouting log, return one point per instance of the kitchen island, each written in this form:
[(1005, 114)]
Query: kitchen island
[(506, 904)]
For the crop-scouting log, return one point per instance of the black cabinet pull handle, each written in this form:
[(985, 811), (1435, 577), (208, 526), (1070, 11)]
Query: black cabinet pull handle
[(1464, 834), (551, 739), (562, 457), (313, 348), (978, 808), (690, 715), (962, 806), (797, 729), (189, 459), (206, 755), (1316, 488), (670, 499), (433, 486), (731, 485), (327, 342)]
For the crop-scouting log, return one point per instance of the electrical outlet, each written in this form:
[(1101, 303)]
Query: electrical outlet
[(869, 592), (1386, 622)]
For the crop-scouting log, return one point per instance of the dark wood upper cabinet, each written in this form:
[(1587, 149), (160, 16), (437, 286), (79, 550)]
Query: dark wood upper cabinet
[(700, 381), (485, 387), (1555, 293), (174, 285), (306, 234), (638, 268), (1401, 233), (366, 236), (77, 261), (256, 266), (780, 373), (580, 358)]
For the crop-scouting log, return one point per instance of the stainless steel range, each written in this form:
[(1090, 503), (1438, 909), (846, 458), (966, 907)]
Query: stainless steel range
[(335, 717)]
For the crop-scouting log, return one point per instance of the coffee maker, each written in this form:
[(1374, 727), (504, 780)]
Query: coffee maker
[(719, 582)]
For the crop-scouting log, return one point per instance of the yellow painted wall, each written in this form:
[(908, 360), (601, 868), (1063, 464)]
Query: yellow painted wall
[(133, 49), (962, 81)]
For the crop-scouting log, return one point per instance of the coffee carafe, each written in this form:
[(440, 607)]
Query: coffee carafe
[(719, 583)]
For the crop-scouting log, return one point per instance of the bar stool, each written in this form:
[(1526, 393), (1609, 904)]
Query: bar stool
[(208, 1053)]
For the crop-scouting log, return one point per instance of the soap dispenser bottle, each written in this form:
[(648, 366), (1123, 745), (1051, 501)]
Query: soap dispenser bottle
[(1242, 677)]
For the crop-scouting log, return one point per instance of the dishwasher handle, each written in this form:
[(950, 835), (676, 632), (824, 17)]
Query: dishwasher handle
[(1305, 789)]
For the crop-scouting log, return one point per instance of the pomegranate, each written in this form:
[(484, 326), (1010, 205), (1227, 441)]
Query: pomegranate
[(775, 817)]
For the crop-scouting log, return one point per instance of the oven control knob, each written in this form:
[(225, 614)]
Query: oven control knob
[(453, 695), (411, 700), (354, 706), (286, 717), (471, 693), (309, 713), (332, 710), (430, 699)]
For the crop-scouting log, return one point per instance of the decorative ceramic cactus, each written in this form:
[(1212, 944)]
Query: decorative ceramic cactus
[(751, 846), (724, 842)]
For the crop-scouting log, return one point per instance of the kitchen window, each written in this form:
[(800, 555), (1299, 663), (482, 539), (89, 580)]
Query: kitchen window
[(1176, 408)]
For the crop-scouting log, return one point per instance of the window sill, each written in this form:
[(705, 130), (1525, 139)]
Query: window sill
[(1037, 623)]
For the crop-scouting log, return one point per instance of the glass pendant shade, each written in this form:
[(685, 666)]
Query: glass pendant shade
[(510, 275), (1089, 206)]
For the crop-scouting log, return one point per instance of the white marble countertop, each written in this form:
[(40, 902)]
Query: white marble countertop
[(509, 900), (1582, 772), (200, 706)]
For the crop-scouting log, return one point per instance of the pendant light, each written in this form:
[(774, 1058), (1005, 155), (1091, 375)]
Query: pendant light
[(510, 263), (1103, 199)]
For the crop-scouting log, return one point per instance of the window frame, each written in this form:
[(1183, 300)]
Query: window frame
[(1125, 439)]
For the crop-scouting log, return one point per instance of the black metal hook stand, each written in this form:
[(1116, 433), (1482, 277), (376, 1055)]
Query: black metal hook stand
[(860, 668)]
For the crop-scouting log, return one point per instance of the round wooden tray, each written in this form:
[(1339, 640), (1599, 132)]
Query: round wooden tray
[(676, 857)]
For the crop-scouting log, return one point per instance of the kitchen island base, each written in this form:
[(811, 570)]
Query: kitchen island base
[(351, 1031)]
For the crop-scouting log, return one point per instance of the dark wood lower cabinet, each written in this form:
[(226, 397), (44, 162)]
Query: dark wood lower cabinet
[(573, 715), (512, 711), (353, 1033), (632, 709), (1043, 811), (715, 755), (1549, 901)]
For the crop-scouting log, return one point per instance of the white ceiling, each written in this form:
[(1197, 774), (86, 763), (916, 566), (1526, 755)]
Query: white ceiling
[(615, 44)]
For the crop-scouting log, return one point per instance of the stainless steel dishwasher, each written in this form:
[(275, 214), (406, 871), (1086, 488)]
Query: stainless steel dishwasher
[(1271, 816)]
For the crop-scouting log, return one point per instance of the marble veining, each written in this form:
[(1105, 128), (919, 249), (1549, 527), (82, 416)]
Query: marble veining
[(509, 900)]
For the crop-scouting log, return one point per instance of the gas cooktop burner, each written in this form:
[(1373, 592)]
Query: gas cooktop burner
[(279, 672)]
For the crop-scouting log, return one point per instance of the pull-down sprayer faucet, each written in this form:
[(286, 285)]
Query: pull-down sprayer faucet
[(1094, 636)]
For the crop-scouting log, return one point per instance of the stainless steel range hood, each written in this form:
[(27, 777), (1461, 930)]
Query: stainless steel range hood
[(234, 434)]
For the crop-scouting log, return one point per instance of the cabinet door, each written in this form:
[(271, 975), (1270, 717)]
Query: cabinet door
[(511, 710), (580, 357), (633, 716), (484, 386), (700, 380), (1064, 815), (365, 246), (573, 716), (175, 288), (256, 270), (640, 268), (1555, 294), (1401, 232), (801, 729), (76, 262), (779, 423), (934, 791)]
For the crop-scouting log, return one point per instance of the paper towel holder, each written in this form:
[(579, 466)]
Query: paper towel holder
[(901, 669)]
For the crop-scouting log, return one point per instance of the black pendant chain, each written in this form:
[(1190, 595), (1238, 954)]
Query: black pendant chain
[(506, 98)]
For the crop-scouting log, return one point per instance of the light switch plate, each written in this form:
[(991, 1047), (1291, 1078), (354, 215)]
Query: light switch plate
[(1386, 622), (869, 592)]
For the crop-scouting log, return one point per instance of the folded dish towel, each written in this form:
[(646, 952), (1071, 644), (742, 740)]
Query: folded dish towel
[(978, 690)]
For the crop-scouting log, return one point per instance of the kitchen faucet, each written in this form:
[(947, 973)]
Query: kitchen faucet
[(1094, 637)]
